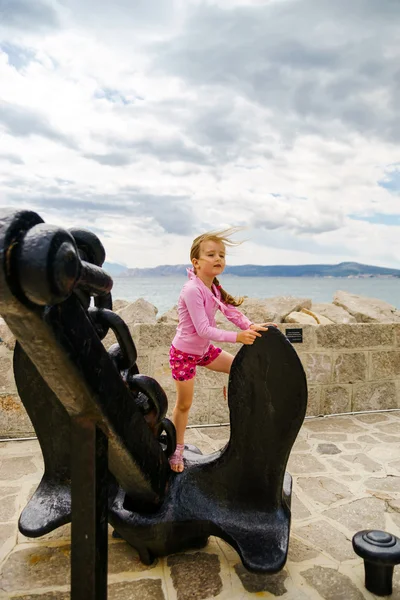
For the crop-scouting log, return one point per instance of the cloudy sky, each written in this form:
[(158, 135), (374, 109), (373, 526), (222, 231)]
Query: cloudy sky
[(151, 121)]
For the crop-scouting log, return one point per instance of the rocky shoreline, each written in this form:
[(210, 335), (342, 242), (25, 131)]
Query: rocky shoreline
[(349, 349), (345, 308)]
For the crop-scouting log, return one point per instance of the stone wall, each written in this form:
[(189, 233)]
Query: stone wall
[(349, 368)]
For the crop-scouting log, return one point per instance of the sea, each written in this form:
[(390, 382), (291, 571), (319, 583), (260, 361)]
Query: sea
[(163, 292)]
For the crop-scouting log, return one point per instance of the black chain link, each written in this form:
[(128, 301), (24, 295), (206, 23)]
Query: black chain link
[(145, 391)]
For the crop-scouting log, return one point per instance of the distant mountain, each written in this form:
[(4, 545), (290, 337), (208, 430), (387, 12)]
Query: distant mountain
[(114, 268), (345, 269)]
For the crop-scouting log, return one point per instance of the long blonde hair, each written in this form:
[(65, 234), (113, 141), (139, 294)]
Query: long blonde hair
[(222, 237)]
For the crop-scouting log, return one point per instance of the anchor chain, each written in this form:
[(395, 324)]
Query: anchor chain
[(145, 391)]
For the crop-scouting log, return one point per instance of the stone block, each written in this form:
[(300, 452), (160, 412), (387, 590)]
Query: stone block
[(304, 463), (46, 596), (195, 576), (206, 378), (123, 558), (47, 566), (309, 336), (299, 510), (392, 428), (61, 534), (322, 534), (219, 409), (366, 463), (36, 567), (144, 364), (272, 309), (359, 335), (383, 484), (200, 410), (365, 309), (370, 419), (119, 304), (303, 358), (301, 446), (323, 489), (8, 537), (257, 583), (328, 449), (350, 367), (145, 589), (298, 552), (334, 313), (139, 311), (332, 585), (7, 382), (6, 337), (314, 401), (328, 437), (231, 348), (333, 430), (374, 396), (16, 467), (171, 316), (14, 420), (8, 504), (385, 364), (335, 399), (159, 336), (318, 367), (161, 371), (220, 434), (302, 318)]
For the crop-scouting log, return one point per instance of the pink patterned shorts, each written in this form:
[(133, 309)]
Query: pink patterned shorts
[(183, 365)]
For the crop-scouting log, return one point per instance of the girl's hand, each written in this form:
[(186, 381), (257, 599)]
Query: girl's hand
[(262, 327), (247, 337)]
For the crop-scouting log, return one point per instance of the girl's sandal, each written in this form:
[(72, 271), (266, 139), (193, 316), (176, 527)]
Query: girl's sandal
[(176, 459)]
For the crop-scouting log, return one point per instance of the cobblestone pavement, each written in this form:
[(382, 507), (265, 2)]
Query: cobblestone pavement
[(346, 477)]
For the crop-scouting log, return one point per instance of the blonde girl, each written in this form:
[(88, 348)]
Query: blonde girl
[(191, 347)]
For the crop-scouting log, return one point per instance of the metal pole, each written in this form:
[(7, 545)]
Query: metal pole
[(89, 491)]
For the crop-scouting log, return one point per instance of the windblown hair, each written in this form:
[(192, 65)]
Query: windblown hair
[(223, 237)]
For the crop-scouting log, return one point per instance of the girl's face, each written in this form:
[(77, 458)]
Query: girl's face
[(211, 261)]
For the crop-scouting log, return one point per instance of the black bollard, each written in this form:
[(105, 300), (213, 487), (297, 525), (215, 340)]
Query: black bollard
[(381, 552)]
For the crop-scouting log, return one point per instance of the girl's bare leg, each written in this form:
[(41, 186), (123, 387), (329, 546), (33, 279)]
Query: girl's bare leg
[(180, 415), (222, 363)]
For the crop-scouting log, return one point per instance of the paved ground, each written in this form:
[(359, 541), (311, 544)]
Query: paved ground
[(346, 473)]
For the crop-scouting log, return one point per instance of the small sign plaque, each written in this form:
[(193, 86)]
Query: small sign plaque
[(295, 336)]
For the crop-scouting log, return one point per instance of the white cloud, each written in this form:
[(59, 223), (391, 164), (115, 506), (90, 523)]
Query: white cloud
[(155, 120)]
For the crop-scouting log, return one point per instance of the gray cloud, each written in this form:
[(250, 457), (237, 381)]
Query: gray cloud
[(121, 14), (212, 134), (172, 213), (17, 56), (11, 158), (229, 133), (112, 159), (23, 122), (298, 216), (168, 150), (27, 15), (320, 66), (112, 95), (287, 240)]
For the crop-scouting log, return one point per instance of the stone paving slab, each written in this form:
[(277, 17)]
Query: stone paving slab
[(346, 477)]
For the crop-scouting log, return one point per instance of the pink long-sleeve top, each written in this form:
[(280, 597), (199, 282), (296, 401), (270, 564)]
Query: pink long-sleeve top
[(197, 306)]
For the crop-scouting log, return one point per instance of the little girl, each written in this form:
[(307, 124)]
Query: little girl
[(198, 302)]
